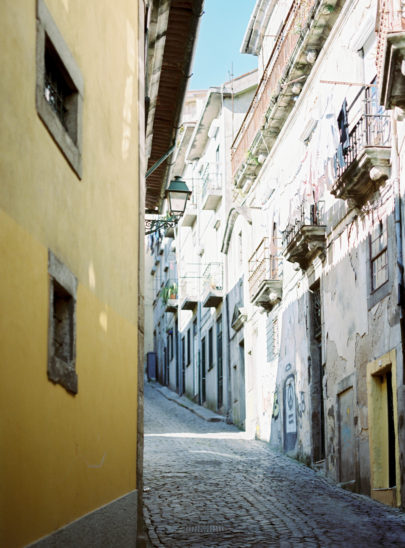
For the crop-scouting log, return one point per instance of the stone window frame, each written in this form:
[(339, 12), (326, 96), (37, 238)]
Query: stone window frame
[(48, 33), (376, 295), (61, 371)]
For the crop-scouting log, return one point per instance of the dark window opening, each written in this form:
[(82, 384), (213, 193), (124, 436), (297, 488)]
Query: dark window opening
[(170, 344), (210, 349), (188, 346), (59, 90), (63, 308)]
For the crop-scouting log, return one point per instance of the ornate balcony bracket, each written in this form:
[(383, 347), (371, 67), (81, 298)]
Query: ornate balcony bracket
[(392, 84), (239, 318), (269, 294), (305, 244), (364, 176)]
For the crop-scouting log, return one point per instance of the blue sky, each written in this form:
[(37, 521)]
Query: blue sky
[(220, 36)]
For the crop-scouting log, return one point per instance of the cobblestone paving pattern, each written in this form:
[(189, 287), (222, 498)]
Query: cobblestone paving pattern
[(207, 485)]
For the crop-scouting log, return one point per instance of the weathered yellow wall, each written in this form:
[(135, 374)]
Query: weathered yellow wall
[(62, 456), (378, 422)]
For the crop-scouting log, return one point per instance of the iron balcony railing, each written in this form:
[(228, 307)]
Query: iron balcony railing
[(170, 290), (189, 287), (309, 215), (263, 266), (213, 277), (371, 130), (390, 20), (283, 49)]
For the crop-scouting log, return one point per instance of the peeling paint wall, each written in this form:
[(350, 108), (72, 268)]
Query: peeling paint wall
[(299, 388)]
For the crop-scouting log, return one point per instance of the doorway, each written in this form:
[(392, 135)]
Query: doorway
[(315, 374), (382, 407)]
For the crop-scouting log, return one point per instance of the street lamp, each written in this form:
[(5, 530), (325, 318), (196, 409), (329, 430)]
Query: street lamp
[(177, 195)]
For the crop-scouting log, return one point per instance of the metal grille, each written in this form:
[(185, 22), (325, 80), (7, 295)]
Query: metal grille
[(263, 266), (213, 277), (370, 130), (310, 215), (55, 97), (204, 529)]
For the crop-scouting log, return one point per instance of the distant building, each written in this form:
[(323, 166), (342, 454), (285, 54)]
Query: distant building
[(190, 315)]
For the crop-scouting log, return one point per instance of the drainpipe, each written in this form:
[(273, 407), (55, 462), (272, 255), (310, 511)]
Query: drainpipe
[(395, 177)]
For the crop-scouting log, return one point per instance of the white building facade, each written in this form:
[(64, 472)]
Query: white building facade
[(290, 303)]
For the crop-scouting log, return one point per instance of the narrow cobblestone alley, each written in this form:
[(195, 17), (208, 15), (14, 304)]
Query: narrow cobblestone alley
[(207, 485)]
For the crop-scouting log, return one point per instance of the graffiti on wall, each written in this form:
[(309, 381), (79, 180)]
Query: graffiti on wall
[(290, 414)]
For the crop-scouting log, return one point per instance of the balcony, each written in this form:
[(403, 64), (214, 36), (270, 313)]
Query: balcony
[(300, 38), (169, 296), (212, 191), (212, 285), (365, 165), (189, 293), (305, 239), (265, 277), (391, 52)]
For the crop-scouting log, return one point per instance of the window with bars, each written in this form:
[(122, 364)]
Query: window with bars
[(59, 88), (379, 255), (272, 335), (62, 325)]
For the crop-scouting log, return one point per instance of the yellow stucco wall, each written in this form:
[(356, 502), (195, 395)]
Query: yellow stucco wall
[(378, 424), (62, 456)]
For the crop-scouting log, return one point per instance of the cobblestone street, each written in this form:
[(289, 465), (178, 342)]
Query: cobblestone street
[(207, 485)]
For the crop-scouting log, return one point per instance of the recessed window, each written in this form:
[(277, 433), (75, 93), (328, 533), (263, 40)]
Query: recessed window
[(380, 248), (189, 346), (63, 308), (378, 256), (59, 88), (62, 325)]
